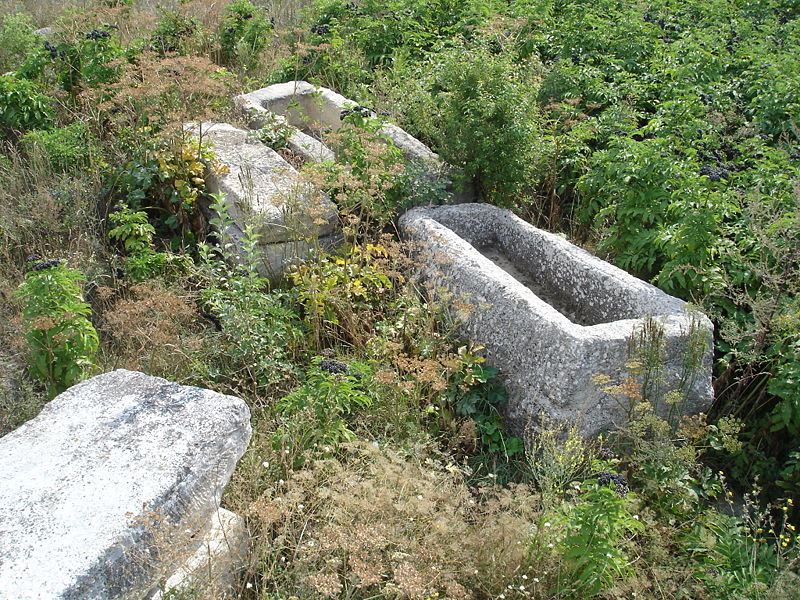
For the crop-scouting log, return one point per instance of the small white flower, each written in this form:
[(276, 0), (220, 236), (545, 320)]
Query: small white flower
[(310, 543), (608, 554), (524, 576), (549, 545), (492, 475), (266, 464), (280, 481), (286, 451), (502, 596), (522, 588), (535, 580), (376, 444), (249, 586), (547, 524), (636, 517), (419, 496), (301, 506)]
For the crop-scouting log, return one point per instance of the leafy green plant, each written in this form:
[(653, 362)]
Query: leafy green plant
[(66, 148), (16, 40), (166, 178), (315, 414), (77, 60), (23, 105), (342, 295), (475, 392), (743, 556), (600, 523), (480, 113), (275, 132), (243, 32), (61, 339), (174, 32)]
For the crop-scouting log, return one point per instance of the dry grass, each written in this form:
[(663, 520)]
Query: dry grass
[(385, 523), (152, 328)]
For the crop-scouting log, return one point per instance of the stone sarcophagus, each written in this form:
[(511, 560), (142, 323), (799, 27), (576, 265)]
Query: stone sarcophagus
[(552, 318)]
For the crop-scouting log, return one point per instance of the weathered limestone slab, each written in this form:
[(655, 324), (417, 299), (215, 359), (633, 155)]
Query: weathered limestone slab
[(309, 108), (215, 556), (552, 315), (265, 192), (95, 491)]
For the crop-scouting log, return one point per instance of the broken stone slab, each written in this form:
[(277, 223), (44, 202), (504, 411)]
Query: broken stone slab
[(309, 108), (287, 215), (551, 316), (215, 558), (113, 474), (262, 189)]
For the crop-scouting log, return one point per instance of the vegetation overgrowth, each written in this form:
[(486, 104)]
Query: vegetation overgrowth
[(663, 135)]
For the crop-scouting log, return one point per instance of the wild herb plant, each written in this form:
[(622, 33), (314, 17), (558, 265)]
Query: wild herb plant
[(61, 339), (600, 524)]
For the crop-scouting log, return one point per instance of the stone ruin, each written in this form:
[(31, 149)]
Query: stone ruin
[(551, 316), (114, 491), (265, 192)]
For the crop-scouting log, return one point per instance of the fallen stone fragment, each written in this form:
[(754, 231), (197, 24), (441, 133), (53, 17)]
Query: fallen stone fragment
[(98, 491), (551, 316), (264, 192)]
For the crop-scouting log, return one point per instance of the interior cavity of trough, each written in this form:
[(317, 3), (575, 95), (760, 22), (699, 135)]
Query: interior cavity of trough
[(551, 316)]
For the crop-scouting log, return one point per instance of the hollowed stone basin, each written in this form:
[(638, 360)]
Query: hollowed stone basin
[(551, 316)]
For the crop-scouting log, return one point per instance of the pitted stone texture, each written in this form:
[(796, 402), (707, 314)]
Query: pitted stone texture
[(551, 315), (310, 108), (87, 486)]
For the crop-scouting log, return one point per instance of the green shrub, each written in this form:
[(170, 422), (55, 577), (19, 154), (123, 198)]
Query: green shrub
[(61, 339), (599, 524), (243, 32), (478, 109), (174, 32), (315, 415), (66, 148), (22, 105), (16, 40)]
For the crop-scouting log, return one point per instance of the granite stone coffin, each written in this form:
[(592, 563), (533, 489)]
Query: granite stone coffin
[(551, 316), (311, 109), (115, 488)]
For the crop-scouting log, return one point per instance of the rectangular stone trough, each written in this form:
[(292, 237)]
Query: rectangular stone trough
[(311, 109), (551, 316)]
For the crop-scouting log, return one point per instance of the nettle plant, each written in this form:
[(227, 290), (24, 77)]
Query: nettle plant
[(61, 339)]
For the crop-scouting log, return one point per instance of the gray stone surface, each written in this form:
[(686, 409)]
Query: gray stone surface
[(552, 315), (94, 491), (263, 191)]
